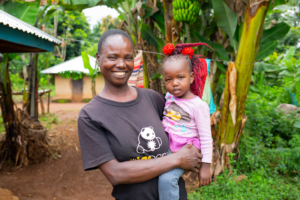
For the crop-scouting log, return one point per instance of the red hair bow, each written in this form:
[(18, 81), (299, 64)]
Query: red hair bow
[(168, 49), (188, 51)]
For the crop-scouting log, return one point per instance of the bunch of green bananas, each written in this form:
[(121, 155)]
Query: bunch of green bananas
[(185, 10)]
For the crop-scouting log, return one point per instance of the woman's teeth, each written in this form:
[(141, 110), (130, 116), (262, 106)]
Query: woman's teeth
[(119, 73)]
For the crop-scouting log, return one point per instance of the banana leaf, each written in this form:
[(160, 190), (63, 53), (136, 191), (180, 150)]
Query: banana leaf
[(290, 53), (219, 49), (26, 12), (226, 20), (277, 32), (148, 35), (266, 49)]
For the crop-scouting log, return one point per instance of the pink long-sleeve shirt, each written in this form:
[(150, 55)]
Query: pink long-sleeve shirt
[(186, 121)]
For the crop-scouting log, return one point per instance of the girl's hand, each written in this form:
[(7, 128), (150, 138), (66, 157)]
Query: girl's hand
[(204, 174), (189, 157)]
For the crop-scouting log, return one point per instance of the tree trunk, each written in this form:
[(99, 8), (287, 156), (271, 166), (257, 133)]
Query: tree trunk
[(93, 87), (8, 113), (238, 76), (32, 103), (168, 20)]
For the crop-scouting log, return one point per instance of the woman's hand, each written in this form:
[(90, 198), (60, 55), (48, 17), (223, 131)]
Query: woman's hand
[(189, 157), (204, 174)]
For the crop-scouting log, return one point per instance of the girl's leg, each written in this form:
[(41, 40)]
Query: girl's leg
[(168, 188)]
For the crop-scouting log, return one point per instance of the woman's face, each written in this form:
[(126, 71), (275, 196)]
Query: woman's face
[(116, 60)]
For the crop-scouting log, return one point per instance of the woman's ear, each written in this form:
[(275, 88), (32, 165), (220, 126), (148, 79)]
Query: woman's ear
[(192, 77), (98, 59)]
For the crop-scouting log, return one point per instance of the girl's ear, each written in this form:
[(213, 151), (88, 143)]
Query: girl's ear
[(192, 78)]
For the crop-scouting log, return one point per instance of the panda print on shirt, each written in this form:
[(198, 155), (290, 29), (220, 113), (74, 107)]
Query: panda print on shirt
[(147, 141)]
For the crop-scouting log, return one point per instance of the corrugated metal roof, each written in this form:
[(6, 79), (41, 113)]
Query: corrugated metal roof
[(73, 65), (16, 23)]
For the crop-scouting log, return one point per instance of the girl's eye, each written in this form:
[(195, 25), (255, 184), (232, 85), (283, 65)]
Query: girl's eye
[(128, 58), (181, 77), (168, 80), (113, 58)]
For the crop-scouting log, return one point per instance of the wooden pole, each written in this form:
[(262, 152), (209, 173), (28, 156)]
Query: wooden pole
[(32, 103), (42, 104), (48, 102)]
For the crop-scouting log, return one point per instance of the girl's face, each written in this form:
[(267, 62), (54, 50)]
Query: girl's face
[(178, 78), (116, 60)]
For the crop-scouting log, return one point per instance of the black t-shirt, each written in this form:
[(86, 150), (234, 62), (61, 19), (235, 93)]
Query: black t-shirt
[(125, 131)]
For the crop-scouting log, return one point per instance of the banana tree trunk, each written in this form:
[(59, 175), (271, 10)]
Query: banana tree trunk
[(168, 20), (232, 120), (32, 103), (7, 108)]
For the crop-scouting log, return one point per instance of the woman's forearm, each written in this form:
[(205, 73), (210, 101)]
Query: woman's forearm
[(188, 157), (137, 171)]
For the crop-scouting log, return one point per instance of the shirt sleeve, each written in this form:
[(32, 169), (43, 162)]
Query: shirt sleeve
[(95, 148), (202, 119)]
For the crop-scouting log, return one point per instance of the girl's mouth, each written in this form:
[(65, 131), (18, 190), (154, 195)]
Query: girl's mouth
[(176, 91)]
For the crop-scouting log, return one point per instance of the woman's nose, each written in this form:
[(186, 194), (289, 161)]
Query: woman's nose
[(121, 63)]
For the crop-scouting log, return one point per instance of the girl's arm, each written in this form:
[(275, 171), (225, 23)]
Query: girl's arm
[(202, 118), (138, 171)]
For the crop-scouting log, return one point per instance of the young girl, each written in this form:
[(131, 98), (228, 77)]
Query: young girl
[(186, 117)]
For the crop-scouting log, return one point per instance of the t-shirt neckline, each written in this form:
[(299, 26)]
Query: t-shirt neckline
[(121, 104)]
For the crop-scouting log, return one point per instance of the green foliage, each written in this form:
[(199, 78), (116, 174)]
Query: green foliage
[(86, 63), (256, 186), (226, 20), (2, 128), (148, 35), (48, 119), (26, 12)]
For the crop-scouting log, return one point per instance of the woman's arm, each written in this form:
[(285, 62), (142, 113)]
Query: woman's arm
[(138, 171)]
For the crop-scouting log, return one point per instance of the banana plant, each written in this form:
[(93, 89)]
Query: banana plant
[(92, 70)]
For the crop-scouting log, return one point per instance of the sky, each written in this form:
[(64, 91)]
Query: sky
[(96, 13)]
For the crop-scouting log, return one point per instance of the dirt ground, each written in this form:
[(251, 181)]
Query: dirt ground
[(62, 175)]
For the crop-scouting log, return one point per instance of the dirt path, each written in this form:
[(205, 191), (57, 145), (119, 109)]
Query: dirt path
[(62, 175)]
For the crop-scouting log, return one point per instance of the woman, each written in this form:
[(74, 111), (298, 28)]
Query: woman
[(120, 130)]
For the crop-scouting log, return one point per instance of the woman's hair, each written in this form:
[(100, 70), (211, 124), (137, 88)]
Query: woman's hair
[(111, 32), (197, 67)]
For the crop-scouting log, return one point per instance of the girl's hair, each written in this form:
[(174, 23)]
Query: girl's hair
[(198, 68), (111, 32)]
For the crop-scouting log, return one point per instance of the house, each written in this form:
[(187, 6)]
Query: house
[(74, 90)]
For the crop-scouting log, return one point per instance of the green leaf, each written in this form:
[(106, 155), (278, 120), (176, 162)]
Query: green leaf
[(24, 12), (156, 76), (86, 63), (148, 35), (297, 124), (219, 49), (221, 67), (275, 33), (283, 8), (159, 19), (274, 4), (290, 53), (266, 49), (264, 67), (226, 19)]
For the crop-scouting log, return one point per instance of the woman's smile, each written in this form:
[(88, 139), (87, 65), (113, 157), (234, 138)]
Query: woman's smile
[(119, 74)]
